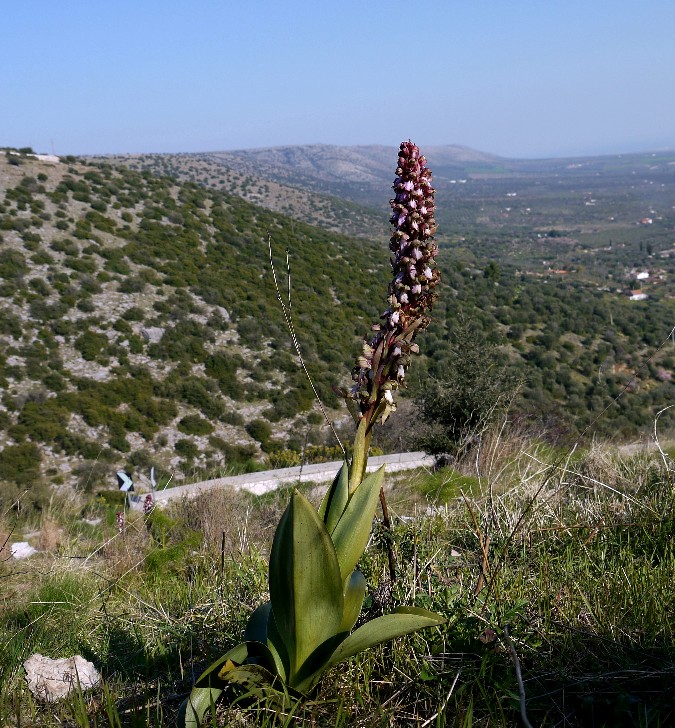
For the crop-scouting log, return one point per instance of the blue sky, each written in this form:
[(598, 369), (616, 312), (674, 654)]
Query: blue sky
[(513, 77)]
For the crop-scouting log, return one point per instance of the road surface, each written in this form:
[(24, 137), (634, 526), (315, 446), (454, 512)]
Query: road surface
[(264, 481)]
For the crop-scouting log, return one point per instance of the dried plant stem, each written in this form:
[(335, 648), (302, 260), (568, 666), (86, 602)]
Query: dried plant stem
[(664, 456), (286, 310), (445, 702), (519, 676)]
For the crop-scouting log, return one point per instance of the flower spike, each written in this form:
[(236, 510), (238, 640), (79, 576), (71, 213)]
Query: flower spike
[(382, 366)]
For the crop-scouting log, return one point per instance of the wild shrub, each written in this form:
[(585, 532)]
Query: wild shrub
[(65, 245), (468, 393), (13, 265), (186, 448), (92, 345), (20, 464), (41, 420), (260, 430), (195, 425)]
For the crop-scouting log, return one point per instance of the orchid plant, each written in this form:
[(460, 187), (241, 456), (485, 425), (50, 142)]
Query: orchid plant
[(316, 591)]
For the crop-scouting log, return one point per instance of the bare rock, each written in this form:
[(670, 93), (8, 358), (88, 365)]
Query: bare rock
[(22, 550), (152, 334), (224, 313), (51, 680)]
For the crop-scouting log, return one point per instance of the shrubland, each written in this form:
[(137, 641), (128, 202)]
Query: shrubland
[(132, 302)]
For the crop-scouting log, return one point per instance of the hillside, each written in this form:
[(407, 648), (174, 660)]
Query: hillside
[(139, 322), (140, 326), (600, 220), (232, 175)]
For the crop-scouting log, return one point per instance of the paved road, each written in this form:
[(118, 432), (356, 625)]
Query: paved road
[(262, 482)]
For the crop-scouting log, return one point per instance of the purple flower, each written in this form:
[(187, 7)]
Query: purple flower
[(411, 293), (148, 504)]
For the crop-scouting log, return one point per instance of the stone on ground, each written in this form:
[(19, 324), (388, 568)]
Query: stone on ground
[(51, 680)]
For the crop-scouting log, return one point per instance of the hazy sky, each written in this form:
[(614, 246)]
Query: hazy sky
[(513, 77)]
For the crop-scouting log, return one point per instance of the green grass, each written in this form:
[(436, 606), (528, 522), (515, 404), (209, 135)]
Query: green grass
[(582, 576), (446, 484)]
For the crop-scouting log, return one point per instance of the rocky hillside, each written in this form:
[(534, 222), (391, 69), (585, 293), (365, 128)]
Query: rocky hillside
[(139, 323), (276, 192)]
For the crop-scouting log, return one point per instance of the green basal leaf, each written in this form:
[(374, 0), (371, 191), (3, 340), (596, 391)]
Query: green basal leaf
[(260, 653), (256, 628), (256, 679), (353, 529), (403, 621), (277, 649), (305, 583), (335, 501), (355, 591), (207, 689), (316, 664)]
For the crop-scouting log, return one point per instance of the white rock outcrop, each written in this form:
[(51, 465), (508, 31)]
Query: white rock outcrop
[(152, 334), (22, 550), (51, 680)]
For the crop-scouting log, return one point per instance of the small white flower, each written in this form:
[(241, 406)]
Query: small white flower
[(417, 288), (428, 274), (388, 396), (393, 319), (401, 371)]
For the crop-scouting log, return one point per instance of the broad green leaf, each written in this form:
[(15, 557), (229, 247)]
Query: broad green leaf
[(256, 629), (255, 679), (355, 591), (260, 653), (305, 582), (353, 529), (403, 621), (316, 664), (278, 648), (279, 667), (335, 500), (360, 456), (207, 689)]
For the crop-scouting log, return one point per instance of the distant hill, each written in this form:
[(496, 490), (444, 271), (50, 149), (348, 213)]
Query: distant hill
[(360, 173), (278, 193), (346, 189), (331, 177)]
